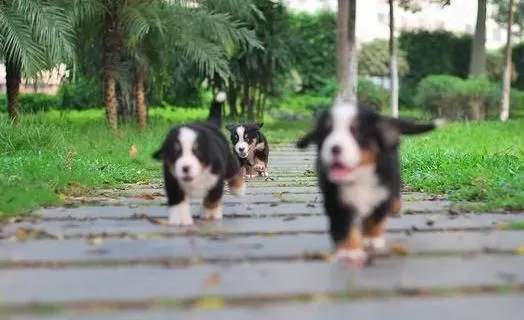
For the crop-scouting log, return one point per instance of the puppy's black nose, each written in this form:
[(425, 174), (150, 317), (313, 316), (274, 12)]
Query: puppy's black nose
[(185, 169), (241, 149), (335, 150)]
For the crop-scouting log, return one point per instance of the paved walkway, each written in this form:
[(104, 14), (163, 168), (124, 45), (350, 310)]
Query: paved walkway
[(111, 257)]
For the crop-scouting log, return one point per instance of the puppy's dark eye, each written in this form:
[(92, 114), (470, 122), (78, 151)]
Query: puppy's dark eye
[(177, 147)]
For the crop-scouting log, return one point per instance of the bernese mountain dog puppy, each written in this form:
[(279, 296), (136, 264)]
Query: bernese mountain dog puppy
[(359, 174), (197, 160), (251, 148)]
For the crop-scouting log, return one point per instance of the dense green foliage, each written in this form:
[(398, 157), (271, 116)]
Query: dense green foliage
[(454, 98), (32, 102)]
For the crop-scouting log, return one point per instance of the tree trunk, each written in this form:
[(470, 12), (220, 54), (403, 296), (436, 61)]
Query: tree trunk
[(342, 45), (232, 96), (140, 103), (353, 52), (111, 57), (393, 70), (246, 98), (477, 63), (13, 79), (506, 86)]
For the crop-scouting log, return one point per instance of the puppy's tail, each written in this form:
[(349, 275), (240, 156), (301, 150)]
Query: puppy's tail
[(215, 111), (411, 127), (306, 140)]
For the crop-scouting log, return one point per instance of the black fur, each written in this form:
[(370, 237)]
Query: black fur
[(375, 131), (213, 151)]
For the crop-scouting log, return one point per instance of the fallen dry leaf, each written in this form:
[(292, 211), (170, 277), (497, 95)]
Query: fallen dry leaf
[(23, 234), (268, 233), (95, 242), (209, 303), (399, 249), (213, 280), (318, 255), (147, 196), (133, 152), (519, 250), (162, 221)]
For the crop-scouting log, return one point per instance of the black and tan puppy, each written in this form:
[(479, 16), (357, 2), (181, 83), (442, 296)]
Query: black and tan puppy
[(251, 148), (197, 160), (359, 175)]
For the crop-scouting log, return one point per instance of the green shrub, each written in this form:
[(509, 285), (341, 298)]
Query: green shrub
[(31, 102), (372, 95), (439, 95), (460, 99), (84, 93), (369, 94)]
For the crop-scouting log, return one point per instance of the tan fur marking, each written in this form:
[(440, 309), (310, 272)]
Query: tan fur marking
[(373, 229), (353, 241), (211, 205), (259, 146), (236, 182), (368, 156), (395, 207)]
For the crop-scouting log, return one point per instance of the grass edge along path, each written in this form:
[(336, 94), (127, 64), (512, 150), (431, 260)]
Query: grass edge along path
[(52, 155)]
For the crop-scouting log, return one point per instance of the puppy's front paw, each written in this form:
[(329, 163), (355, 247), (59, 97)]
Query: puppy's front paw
[(212, 213), (239, 190), (180, 215), (353, 257), (259, 167), (376, 243)]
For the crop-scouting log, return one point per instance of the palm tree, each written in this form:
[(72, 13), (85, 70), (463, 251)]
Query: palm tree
[(183, 33), (34, 35), (143, 38)]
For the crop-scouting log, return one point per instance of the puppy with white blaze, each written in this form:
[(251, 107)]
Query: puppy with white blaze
[(197, 160), (359, 175), (251, 148)]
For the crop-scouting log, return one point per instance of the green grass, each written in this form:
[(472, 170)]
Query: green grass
[(54, 153), (51, 154), (470, 162)]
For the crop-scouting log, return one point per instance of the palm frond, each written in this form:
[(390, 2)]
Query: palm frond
[(17, 44), (138, 19), (209, 58), (51, 27)]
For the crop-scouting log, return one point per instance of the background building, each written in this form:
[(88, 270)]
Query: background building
[(373, 18)]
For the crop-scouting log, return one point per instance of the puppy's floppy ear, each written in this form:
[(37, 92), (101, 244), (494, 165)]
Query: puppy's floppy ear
[(159, 154), (260, 125), (390, 129), (306, 140)]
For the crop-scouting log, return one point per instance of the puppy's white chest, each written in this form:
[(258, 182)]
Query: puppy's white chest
[(364, 195), (200, 187)]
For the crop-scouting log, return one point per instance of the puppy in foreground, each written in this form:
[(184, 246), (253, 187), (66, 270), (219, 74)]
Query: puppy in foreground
[(251, 147), (197, 160), (358, 174)]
